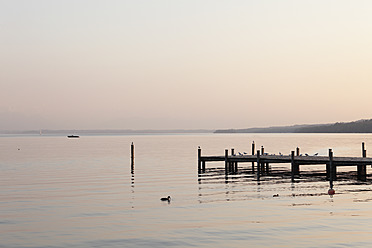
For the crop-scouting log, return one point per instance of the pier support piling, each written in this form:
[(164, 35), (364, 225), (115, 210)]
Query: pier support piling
[(332, 169), (293, 165), (199, 159), (262, 164), (258, 165), (361, 168), (233, 165), (132, 157), (253, 149), (226, 160)]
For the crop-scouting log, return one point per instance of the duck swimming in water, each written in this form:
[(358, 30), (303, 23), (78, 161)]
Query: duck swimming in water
[(166, 198)]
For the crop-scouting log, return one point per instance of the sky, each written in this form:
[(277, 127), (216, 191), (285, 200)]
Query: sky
[(183, 64)]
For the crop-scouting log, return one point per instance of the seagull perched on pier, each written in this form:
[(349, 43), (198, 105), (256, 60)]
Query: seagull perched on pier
[(280, 154), (306, 154), (244, 153), (316, 154), (240, 154)]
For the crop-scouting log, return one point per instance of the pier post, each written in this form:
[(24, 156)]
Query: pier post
[(364, 150), (262, 164), (253, 148), (293, 165), (199, 159), (258, 165), (226, 160), (362, 168), (132, 157), (297, 151), (332, 169), (232, 164)]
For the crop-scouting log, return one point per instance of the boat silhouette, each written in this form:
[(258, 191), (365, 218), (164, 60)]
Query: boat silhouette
[(73, 136)]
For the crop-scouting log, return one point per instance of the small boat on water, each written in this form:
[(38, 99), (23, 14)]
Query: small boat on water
[(73, 136)]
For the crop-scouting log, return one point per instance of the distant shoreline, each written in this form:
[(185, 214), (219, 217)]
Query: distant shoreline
[(360, 126), (103, 131)]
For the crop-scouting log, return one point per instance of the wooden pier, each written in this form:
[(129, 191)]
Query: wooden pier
[(295, 159)]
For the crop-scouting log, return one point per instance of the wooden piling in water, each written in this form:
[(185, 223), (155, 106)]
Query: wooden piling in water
[(226, 160), (132, 157), (296, 166), (199, 160), (332, 168), (293, 165), (262, 164), (362, 169), (253, 149), (232, 164), (258, 165), (267, 168)]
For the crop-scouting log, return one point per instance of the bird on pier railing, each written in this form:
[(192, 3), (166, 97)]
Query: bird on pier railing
[(306, 154), (280, 154), (245, 153), (240, 153), (316, 154)]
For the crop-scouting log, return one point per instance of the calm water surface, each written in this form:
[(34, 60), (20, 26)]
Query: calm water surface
[(59, 192)]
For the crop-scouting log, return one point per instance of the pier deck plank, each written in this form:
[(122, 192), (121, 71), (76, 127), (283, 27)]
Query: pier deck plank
[(301, 160)]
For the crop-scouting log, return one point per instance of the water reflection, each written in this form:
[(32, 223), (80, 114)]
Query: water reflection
[(218, 184), (132, 187)]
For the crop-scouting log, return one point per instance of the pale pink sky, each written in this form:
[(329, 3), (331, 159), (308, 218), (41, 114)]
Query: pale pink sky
[(183, 64)]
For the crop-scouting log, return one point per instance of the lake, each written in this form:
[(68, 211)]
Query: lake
[(60, 192)]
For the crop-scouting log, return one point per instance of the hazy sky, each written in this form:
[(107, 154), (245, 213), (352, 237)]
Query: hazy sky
[(183, 64)]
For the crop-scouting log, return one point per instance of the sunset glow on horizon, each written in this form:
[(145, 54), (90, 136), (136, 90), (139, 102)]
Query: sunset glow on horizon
[(183, 64)]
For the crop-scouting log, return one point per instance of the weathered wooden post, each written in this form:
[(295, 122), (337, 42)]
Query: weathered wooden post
[(262, 164), (234, 165), (199, 159), (293, 165), (297, 166), (226, 160), (231, 164), (132, 157), (253, 148), (332, 169), (258, 165), (362, 168)]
